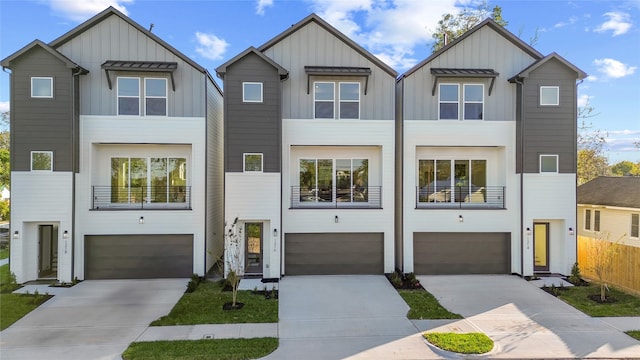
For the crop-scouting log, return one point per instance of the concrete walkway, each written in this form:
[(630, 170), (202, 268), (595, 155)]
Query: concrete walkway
[(525, 322), (4, 261)]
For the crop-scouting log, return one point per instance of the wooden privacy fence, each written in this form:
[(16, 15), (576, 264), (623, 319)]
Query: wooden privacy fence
[(625, 268)]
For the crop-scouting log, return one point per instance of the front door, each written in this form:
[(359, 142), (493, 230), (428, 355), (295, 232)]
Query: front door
[(253, 251), (47, 252), (541, 247)]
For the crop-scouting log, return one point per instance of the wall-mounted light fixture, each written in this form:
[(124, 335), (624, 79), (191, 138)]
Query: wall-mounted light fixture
[(571, 232), (460, 218), (65, 234), (141, 220), (275, 232), (16, 234), (528, 231), (336, 219)]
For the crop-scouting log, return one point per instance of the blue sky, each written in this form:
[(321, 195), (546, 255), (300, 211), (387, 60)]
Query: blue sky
[(600, 37)]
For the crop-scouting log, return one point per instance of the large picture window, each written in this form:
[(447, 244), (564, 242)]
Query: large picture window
[(318, 176), (148, 180), (445, 181)]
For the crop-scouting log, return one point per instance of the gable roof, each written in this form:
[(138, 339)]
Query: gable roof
[(525, 73), (619, 191), (111, 11), (335, 32), (491, 24), (222, 69), (6, 63)]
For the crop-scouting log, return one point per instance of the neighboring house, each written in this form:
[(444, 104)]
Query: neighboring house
[(489, 159), (609, 209), (116, 156), (309, 154)]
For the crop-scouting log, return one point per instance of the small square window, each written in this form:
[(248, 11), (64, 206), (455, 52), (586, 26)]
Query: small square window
[(549, 95), (42, 160), (251, 92), (42, 87), (549, 163), (252, 163)]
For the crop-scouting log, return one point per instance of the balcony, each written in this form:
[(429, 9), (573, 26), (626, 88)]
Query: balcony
[(460, 197), (141, 198), (332, 198)]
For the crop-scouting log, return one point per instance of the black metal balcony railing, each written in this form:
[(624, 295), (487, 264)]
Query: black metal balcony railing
[(460, 197), (141, 197), (333, 198)]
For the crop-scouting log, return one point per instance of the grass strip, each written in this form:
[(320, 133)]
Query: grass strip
[(423, 306), (634, 334), (578, 297), (14, 306), (4, 253), (221, 349), (204, 306), (470, 343)]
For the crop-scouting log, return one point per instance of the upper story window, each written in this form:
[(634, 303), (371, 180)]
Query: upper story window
[(587, 219), (437, 185), (155, 96), (148, 180), (472, 101), (252, 162), (549, 95), (252, 92), (41, 87), (42, 160), (324, 95), (334, 180), (635, 225), (549, 164)]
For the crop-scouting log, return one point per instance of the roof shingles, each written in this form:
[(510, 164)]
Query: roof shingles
[(611, 191)]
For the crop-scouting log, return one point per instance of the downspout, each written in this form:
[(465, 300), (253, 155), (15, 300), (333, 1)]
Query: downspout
[(521, 84)]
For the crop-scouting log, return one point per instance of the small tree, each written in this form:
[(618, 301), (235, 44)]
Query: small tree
[(603, 255), (233, 260)]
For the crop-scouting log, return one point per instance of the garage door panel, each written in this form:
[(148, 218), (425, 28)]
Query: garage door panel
[(334, 253), (138, 256), (462, 253)]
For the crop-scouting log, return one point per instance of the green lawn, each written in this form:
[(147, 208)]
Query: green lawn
[(204, 306), (634, 334), (4, 253), (7, 284), (471, 343), (423, 305), (577, 296), (15, 306), (222, 349)]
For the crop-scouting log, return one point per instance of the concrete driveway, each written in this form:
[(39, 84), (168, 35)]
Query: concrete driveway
[(525, 322), (92, 320), (345, 317)]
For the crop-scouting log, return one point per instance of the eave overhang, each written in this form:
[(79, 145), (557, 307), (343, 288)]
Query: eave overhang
[(337, 71), (140, 66), (439, 73)]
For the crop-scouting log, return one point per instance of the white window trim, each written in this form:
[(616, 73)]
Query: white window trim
[(557, 103), (471, 102), (50, 85), (244, 163), (631, 227), (42, 152), (129, 97), (333, 101), (540, 164), (347, 101), (165, 97), (244, 99), (440, 101)]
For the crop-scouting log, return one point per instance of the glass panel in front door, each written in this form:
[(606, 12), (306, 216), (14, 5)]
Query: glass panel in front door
[(253, 240), (541, 246)]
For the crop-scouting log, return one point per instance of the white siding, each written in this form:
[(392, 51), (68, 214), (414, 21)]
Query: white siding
[(102, 136), (40, 198), (492, 141), (615, 223), (552, 198), (256, 198), (335, 139)]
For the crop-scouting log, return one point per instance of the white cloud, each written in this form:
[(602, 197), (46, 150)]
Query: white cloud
[(261, 5), (584, 100), (4, 106), (210, 46), (618, 22), (82, 10), (390, 29), (571, 21), (614, 68)]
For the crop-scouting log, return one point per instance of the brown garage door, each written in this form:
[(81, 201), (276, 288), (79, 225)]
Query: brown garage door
[(138, 256), (462, 253), (334, 254)]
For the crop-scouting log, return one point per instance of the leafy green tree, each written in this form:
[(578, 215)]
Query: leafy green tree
[(451, 26), (625, 168), (591, 159), (5, 169)]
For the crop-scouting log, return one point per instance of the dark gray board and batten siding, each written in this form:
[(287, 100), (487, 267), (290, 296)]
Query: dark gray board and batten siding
[(43, 124), (252, 127), (549, 130)]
